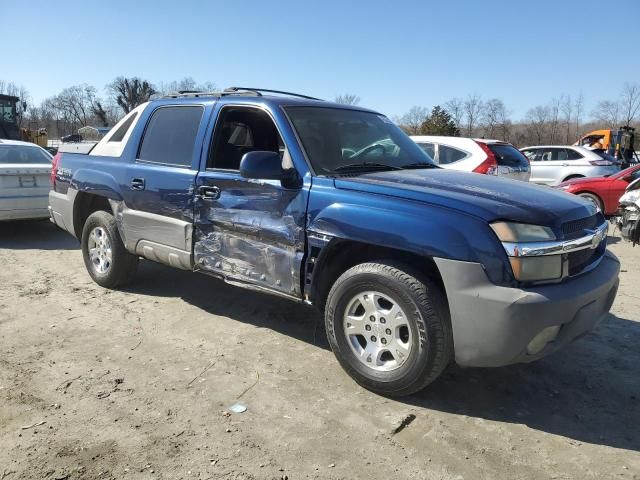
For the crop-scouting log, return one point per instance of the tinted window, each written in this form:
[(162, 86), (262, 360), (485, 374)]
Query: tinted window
[(429, 149), (124, 128), (335, 139), (551, 154), (23, 154), (448, 154), (170, 135), (508, 155), (572, 154)]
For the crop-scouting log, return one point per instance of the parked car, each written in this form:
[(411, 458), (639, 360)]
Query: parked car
[(24, 180), (73, 138), (553, 164), (491, 157), (414, 266), (603, 192)]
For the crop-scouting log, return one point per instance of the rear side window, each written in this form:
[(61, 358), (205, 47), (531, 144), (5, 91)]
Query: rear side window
[(124, 128), (429, 149), (448, 154), (170, 135), (508, 155), (572, 154)]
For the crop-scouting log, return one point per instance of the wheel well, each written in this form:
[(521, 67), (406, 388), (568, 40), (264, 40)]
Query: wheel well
[(573, 176), (85, 205), (340, 255)]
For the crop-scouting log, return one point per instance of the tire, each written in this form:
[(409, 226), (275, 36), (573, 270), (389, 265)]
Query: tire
[(593, 198), (109, 264), (427, 333)]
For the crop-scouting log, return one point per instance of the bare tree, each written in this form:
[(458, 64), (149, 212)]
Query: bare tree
[(186, 84), (77, 103), (629, 102), (566, 107), (455, 107), (128, 93), (554, 120), (494, 117), (472, 108), (348, 99), (579, 107), (538, 118), (607, 113), (413, 119)]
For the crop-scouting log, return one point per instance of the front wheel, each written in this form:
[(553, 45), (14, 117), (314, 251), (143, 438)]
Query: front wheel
[(105, 256), (594, 199), (389, 328)]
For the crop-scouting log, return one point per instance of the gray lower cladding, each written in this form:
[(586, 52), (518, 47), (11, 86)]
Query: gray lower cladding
[(61, 209), (493, 325)]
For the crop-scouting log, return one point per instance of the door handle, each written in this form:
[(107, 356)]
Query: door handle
[(137, 184), (208, 192), (565, 164)]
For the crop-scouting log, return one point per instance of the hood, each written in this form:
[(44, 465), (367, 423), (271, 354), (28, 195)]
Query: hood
[(485, 196)]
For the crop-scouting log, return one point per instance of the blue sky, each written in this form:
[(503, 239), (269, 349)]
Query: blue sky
[(392, 54)]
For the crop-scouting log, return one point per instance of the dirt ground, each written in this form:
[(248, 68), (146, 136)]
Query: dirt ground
[(99, 384)]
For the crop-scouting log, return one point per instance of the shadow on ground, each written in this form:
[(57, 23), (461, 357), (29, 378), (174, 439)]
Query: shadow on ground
[(589, 392), (35, 234)]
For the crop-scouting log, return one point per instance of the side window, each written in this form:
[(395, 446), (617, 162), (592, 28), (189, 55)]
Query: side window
[(170, 135), (240, 130), (549, 154), (123, 129), (429, 149), (572, 154), (531, 155), (448, 154)]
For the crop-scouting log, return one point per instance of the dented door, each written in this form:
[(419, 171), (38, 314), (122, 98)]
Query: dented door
[(250, 231)]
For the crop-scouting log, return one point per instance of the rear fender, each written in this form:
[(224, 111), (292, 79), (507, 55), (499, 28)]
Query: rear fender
[(96, 182)]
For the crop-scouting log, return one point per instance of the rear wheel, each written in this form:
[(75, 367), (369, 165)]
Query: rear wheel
[(593, 198), (389, 328), (107, 261)]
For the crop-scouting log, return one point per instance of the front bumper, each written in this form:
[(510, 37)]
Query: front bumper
[(493, 325)]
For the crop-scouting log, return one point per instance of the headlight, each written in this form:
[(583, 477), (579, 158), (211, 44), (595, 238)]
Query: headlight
[(514, 236), (522, 232)]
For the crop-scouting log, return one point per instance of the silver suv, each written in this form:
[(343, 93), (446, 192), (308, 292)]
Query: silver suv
[(554, 164)]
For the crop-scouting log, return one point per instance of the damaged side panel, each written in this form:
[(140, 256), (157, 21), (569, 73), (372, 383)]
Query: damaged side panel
[(253, 233)]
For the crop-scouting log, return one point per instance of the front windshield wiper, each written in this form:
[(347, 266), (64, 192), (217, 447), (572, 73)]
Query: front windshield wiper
[(419, 165), (366, 166)]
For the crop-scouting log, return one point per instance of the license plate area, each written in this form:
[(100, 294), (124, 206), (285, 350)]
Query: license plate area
[(27, 181)]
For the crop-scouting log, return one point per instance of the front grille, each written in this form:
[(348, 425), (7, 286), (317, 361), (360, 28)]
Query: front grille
[(576, 228), (581, 259)]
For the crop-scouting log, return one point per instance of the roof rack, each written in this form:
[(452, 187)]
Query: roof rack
[(257, 92)]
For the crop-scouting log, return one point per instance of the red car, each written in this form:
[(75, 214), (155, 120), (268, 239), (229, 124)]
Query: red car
[(604, 192)]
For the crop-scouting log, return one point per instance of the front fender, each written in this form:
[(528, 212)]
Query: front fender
[(418, 228)]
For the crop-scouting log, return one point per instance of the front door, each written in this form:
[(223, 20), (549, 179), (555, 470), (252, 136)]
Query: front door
[(248, 231)]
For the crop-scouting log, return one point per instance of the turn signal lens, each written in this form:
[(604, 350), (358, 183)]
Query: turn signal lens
[(536, 269)]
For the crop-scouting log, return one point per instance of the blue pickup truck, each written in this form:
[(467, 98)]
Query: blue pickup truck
[(414, 267)]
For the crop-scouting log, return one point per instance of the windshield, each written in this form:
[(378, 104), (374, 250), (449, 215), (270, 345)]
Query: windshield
[(23, 154), (340, 140)]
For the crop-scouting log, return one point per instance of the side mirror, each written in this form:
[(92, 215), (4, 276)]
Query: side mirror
[(263, 165)]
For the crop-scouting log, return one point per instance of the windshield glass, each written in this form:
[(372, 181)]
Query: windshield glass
[(23, 154), (339, 140)]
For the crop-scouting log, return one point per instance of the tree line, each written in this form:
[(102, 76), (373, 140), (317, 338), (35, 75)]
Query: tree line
[(561, 121), (81, 105)]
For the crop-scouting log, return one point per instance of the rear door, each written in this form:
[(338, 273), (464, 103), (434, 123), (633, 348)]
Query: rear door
[(24, 181), (157, 211), (547, 165)]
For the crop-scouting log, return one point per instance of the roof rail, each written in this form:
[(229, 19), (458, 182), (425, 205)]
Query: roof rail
[(235, 91), (258, 91)]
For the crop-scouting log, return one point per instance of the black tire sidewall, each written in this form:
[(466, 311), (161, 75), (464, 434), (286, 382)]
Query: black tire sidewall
[(120, 259), (422, 355)]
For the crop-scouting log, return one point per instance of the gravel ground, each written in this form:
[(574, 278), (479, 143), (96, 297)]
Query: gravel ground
[(138, 384)]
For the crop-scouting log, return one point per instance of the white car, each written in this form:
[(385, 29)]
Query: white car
[(25, 169), (479, 155), (554, 164)]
